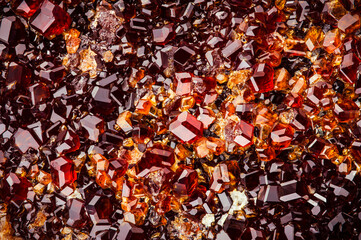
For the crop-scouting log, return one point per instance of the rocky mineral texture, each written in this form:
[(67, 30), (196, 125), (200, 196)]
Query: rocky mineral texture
[(180, 119)]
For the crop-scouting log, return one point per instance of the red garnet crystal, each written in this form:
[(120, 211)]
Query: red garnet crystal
[(75, 213), (14, 188), (50, 19), (117, 168), (25, 140), (262, 78), (159, 155), (281, 136), (25, 8), (243, 134), (62, 171), (185, 181), (12, 30), (186, 127)]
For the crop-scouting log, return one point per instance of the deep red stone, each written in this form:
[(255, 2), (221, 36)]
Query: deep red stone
[(62, 171), (24, 140), (163, 35), (12, 30), (18, 76), (14, 188), (349, 67), (262, 78), (75, 213), (50, 19), (68, 141), (346, 111), (243, 134), (117, 168), (25, 8), (159, 155), (186, 127), (183, 83), (185, 181), (99, 209)]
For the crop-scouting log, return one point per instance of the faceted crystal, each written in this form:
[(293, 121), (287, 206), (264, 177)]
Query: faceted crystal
[(14, 188), (50, 19), (281, 136), (349, 23), (346, 110), (163, 35), (185, 181), (349, 67), (76, 215), (332, 40), (93, 125), (243, 134), (186, 127), (12, 30), (262, 78), (158, 156), (62, 171), (25, 140), (25, 8)]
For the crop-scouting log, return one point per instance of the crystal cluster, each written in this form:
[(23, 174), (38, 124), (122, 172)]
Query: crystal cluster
[(197, 119)]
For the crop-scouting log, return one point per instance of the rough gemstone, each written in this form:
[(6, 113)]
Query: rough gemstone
[(50, 19), (185, 181), (243, 134), (25, 8), (62, 171), (14, 188), (186, 127), (25, 140), (262, 78), (281, 136), (12, 30)]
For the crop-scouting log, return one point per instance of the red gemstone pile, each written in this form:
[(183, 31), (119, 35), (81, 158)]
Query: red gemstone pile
[(180, 119)]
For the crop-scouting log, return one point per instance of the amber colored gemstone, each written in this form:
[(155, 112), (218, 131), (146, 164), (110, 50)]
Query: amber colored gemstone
[(75, 213), (143, 106), (25, 140), (117, 168), (101, 163), (262, 78), (62, 171), (300, 120), (12, 30), (185, 181), (159, 155), (50, 19), (186, 127), (332, 40), (224, 175), (93, 125), (163, 35), (124, 121), (349, 23), (346, 110), (314, 38), (14, 188), (243, 134), (281, 136), (332, 12), (25, 8), (349, 67), (281, 76)]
